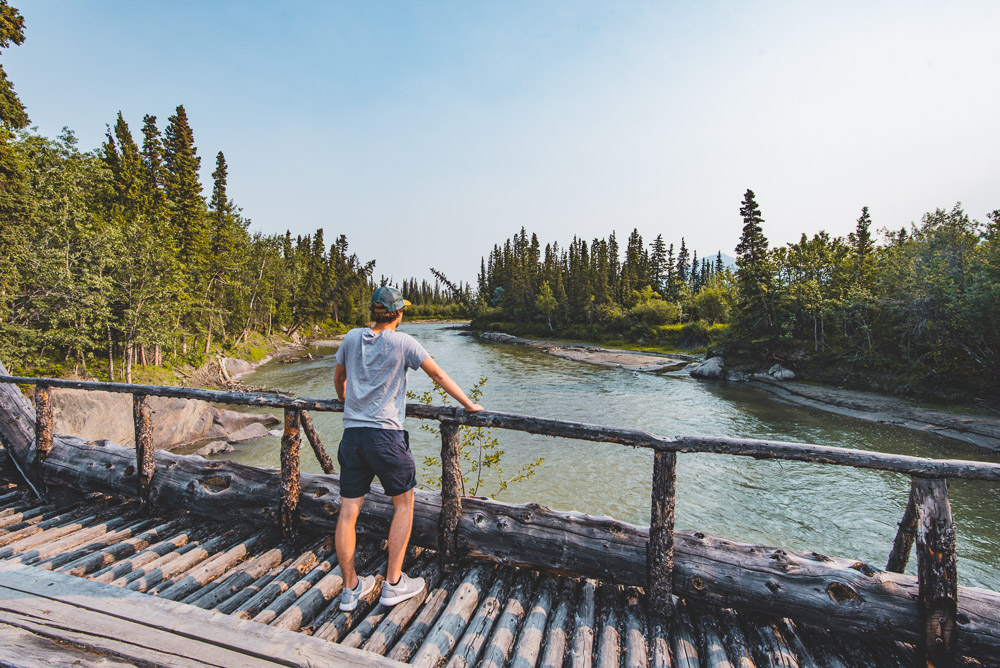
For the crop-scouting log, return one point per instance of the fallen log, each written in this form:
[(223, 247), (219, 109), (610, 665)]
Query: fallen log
[(809, 587)]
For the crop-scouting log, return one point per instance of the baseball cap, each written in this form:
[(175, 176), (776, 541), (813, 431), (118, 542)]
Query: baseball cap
[(389, 299)]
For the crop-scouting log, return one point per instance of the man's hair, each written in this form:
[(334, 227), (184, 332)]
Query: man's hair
[(380, 315)]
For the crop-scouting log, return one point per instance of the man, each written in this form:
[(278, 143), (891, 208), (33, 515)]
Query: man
[(371, 381)]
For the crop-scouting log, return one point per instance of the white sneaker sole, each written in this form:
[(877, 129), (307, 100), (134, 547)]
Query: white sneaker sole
[(348, 607), (399, 598)]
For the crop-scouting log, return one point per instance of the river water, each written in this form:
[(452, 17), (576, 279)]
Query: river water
[(834, 510)]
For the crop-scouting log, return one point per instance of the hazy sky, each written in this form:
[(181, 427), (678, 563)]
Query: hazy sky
[(428, 131)]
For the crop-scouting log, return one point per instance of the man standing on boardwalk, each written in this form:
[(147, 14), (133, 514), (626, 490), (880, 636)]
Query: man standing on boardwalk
[(371, 381)]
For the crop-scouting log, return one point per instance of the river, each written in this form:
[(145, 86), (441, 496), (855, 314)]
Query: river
[(834, 510)]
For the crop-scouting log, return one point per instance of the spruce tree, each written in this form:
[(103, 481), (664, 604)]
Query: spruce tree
[(657, 263), (755, 312), (183, 189), (12, 117)]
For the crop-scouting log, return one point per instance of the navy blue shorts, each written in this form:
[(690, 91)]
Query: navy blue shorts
[(366, 452)]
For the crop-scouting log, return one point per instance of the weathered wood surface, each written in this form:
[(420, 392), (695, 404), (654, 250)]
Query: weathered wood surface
[(317, 445), (905, 535), (143, 447), (805, 586), (938, 576), (43, 423), (660, 552), (759, 449), (451, 494), (152, 630), (290, 448), (17, 431)]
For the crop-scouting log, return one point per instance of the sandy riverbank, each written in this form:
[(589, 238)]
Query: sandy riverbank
[(630, 360), (977, 429)]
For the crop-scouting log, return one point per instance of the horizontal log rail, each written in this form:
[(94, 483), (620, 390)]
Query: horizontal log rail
[(928, 514), (758, 449)]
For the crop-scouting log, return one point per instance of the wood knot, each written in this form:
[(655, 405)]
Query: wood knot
[(699, 535), (129, 471), (698, 583), (841, 593), (503, 524), (215, 484), (867, 569), (479, 519), (320, 491)]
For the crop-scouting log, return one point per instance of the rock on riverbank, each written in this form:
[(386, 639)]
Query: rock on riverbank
[(176, 422)]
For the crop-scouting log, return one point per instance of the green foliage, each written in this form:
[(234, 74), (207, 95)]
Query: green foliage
[(482, 458)]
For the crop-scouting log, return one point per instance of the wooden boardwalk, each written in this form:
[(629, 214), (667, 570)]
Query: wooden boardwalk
[(99, 579)]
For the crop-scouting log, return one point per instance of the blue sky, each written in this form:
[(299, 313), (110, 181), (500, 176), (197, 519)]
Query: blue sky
[(428, 131)]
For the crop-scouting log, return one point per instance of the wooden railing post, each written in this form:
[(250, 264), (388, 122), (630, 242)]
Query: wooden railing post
[(290, 441), (43, 426), (937, 574), (317, 445), (660, 550), (903, 543), (144, 462), (451, 494)]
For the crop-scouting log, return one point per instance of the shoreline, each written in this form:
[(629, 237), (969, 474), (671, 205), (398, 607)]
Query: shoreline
[(982, 431)]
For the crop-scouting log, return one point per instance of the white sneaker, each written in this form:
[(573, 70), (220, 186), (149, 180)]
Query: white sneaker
[(350, 597), (405, 589)]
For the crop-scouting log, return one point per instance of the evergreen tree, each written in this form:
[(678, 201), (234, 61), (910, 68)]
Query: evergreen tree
[(682, 263), (657, 263), (755, 313), (13, 117), (183, 190)]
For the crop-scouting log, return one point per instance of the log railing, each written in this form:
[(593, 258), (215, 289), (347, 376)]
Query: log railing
[(927, 519)]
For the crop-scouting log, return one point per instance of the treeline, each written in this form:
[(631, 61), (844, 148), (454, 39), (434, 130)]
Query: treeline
[(599, 291), (123, 259), (916, 311)]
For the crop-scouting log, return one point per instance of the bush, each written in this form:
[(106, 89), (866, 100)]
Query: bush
[(655, 312)]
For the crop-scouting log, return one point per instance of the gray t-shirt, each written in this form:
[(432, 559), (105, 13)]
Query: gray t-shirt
[(376, 365)]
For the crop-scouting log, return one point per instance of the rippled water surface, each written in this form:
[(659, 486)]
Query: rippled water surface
[(830, 509)]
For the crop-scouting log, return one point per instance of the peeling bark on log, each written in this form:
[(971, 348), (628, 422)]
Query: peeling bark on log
[(43, 425), (474, 637), (660, 653), (937, 572), (582, 650), (501, 644), (414, 636), (557, 635), (143, 448), (451, 494), (320, 559), (317, 445), (711, 646), (290, 446), (442, 638), (660, 552), (635, 630), (529, 642), (736, 643), (683, 640)]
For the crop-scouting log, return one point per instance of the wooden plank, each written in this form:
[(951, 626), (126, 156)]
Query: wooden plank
[(132, 529), (318, 558), (123, 567), (31, 650), (660, 550), (94, 561), (242, 577), (558, 635), (767, 642), (473, 640), (634, 630), (290, 447), (712, 646), (683, 639), (144, 463), (529, 642), (451, 494), (936, 571), (581, 653), (441, 639), (334, 624), (608, 636), (500, 647), (392, 627), (173, 626), (197, 578), (737, 647)]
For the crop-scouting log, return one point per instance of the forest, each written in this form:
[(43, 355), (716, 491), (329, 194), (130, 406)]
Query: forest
[(118, 257), (912, 311)]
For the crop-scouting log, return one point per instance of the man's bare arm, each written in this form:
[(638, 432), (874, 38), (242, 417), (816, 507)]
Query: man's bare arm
[(340, 381), (439, 376)]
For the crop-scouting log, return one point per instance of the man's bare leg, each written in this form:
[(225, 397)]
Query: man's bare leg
[(399, 535), (346, 538)]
